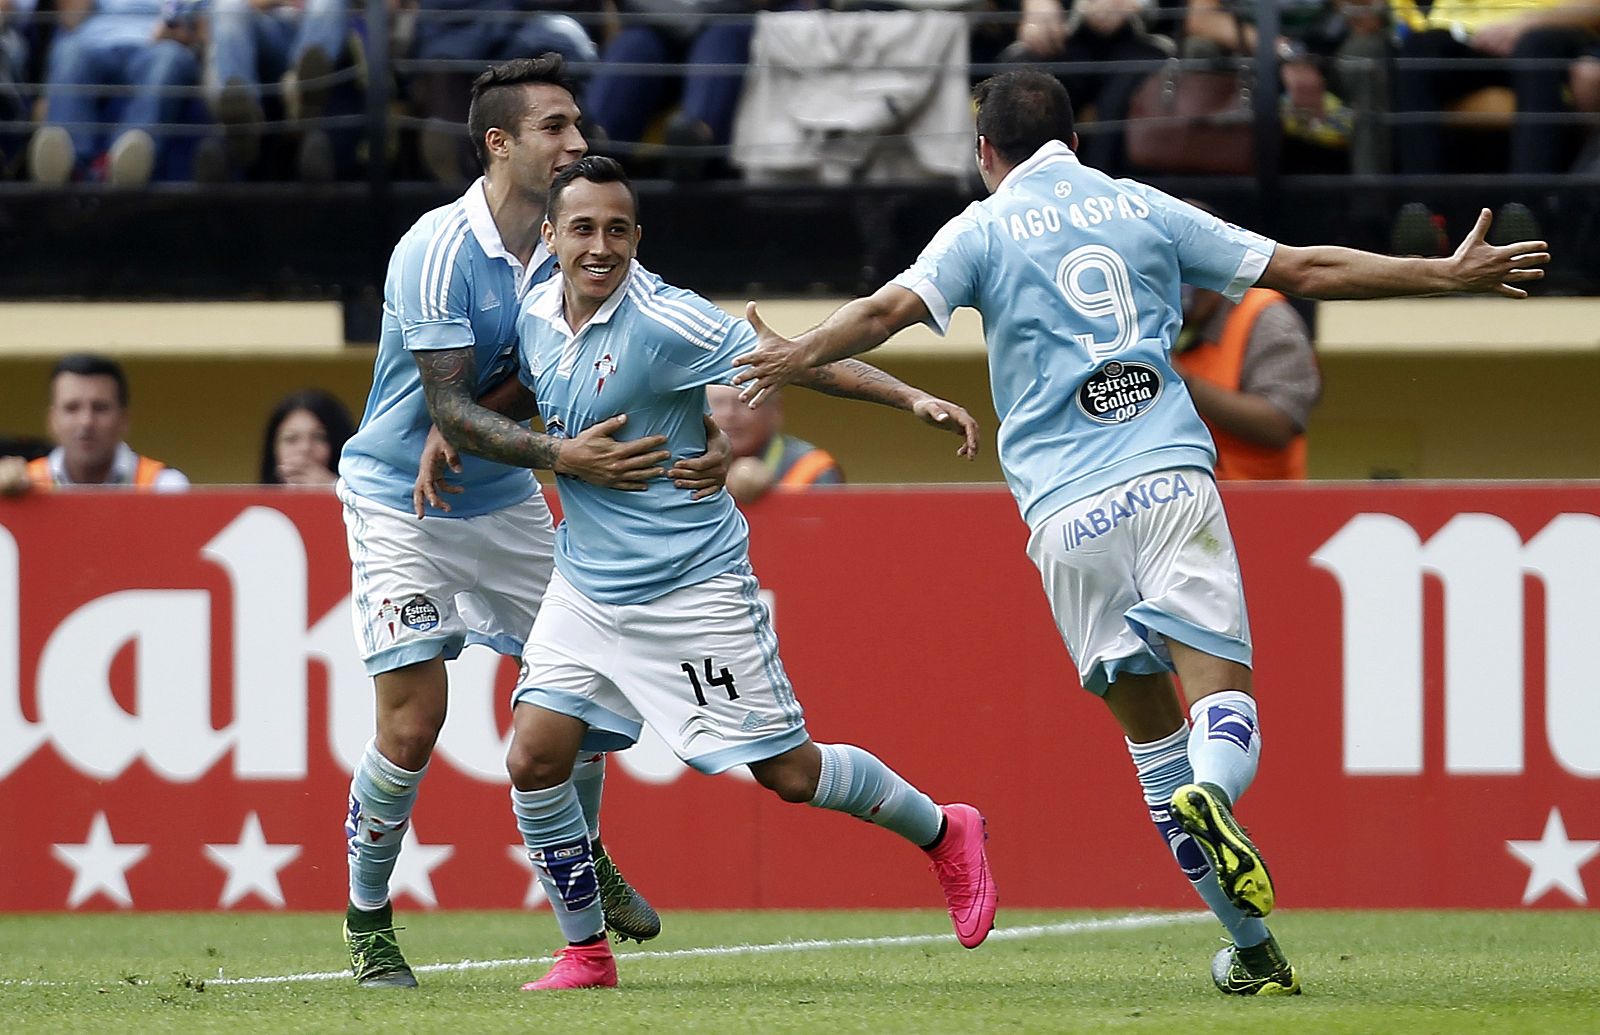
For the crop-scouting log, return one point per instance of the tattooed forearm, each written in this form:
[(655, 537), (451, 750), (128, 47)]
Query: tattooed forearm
[(853, 379), (448, 379)]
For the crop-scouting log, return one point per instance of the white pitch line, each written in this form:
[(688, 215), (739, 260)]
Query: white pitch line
[(1122, 923)]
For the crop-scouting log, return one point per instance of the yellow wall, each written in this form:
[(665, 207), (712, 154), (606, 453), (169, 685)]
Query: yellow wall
[(1411, 389)]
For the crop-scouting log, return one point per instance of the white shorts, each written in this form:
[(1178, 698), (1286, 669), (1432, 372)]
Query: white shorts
[(422, 588), (1143, 562), (700, 665)]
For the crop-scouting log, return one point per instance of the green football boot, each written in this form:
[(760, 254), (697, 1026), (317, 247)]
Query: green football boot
[(1203, 810), (1258, 970), (375, 957), (627, 913)]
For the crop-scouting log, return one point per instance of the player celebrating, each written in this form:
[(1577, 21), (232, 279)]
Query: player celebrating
[(425, 589), (653, 610), (1077, 278)]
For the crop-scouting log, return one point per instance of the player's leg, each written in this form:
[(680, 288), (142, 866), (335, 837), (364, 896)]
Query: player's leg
[(1193, 603), (628, 913), (543, 746), (845, 778), (515, 561), (563, 706), (1097, 570), (406, 628), (1144, 706), (383, 792), (701, 665)]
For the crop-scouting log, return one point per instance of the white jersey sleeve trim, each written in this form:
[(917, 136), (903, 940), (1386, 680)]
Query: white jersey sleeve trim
[(1250, 269), (651, 307), (433, 288), (925, 289)]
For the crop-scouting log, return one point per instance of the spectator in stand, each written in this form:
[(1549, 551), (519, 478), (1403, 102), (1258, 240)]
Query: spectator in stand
[(15, 16), (144, 44), (1556, 32), (1252, 373), (1585, 86), (1333, 60), (1092, 31), (763, 456), (305, 435), (620, 105), (478, 30), (292, 42), (89, 423)]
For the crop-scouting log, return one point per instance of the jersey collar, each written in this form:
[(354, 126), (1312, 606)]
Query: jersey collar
[(481, 220), (546, 302), (1052, 151)]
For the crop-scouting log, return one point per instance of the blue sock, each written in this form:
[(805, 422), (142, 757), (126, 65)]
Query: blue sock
[(1163, 767), (1225, 743), (552, 826), (589, 779), (381, 798), (856, 782)]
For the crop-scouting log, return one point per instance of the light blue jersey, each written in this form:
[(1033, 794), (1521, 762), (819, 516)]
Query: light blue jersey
[(649, 352), (451, 285), (1077, 278)]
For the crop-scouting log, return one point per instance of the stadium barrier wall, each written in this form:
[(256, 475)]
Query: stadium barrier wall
[(181, 703)]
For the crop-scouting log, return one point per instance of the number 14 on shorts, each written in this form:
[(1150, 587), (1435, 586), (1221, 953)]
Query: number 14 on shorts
[(714, 676)]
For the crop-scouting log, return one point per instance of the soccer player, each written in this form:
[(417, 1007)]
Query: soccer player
[(425, 589), (1077, 278), (653, 614)]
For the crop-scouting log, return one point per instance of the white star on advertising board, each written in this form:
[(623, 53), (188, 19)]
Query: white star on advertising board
[(100, 865), (413, 871), (1554, 861), (252, 865)]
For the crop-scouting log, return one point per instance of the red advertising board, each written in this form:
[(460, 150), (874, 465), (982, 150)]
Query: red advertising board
[(181, 703)]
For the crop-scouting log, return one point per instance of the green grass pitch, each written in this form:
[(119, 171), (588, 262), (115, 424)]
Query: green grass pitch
[(879, 972)]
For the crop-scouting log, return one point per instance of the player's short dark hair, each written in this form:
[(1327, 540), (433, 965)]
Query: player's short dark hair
[(92, 364), (497, 96), (1022, 110), (329, 411), (595, 169)]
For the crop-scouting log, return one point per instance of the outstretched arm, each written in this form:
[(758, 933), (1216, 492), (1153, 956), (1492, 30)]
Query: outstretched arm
[(853, 379), (1326, 271), (854, 327)]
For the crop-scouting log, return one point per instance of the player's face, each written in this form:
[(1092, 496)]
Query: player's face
[(302, 443), (594, 237), (748, 430), (86, 419), (547, 139)]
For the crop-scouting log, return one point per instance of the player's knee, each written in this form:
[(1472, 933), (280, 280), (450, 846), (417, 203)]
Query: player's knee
[(787, 777), (407, 740), (533, 769)]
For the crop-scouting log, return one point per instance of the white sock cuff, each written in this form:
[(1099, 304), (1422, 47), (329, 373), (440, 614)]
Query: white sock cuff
[(380, 768), (1243, 701), (833, 782), (1176, 740)]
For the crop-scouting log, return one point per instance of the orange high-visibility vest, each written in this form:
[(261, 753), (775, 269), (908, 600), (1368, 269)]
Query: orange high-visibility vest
[(1221, 363), (144, 475), (807, 468)]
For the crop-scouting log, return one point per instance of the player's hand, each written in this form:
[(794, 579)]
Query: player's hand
[(949, 417), (776, 362), (437, 456), (599, 459), (14, 480), (706, 474), (1480, 266), (749, 479)]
